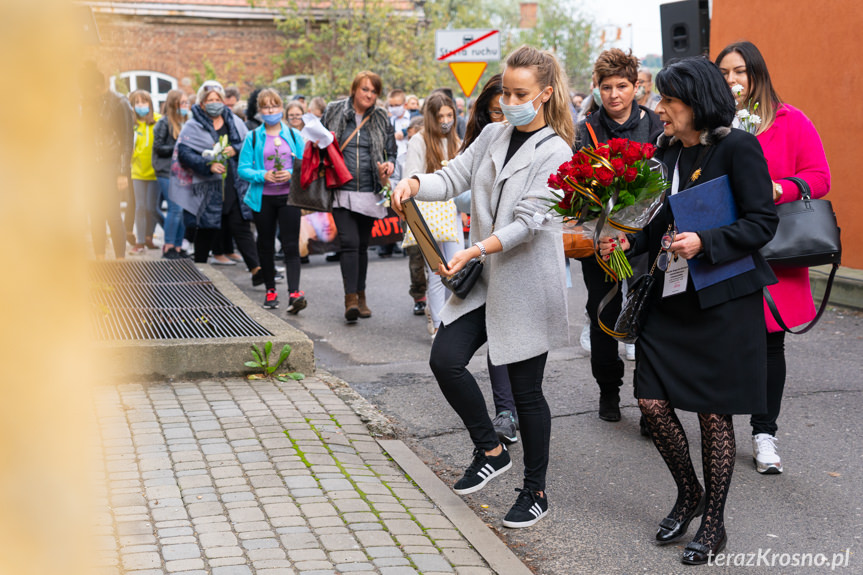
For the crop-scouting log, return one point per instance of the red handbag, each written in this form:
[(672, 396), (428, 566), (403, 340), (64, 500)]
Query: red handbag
[(327, 162)]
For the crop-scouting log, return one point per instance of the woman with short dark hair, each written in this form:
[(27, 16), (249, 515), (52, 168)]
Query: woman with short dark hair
[(792, 148), (365, 132), (703, 350), (616, 74)]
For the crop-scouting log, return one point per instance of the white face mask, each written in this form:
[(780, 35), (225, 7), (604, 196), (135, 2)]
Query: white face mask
[(397, 111), (520, 114)]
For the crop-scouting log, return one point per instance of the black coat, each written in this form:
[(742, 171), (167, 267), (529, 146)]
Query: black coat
[(739, 156), (706, 351), (163, 147)]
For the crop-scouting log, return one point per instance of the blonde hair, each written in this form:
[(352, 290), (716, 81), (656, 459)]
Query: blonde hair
[(432, 134), (172, 103), (548, 72), (269, 98)]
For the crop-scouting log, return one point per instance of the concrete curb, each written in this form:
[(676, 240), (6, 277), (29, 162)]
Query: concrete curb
[(161, 360), (847, 286), (495, 552), (377, 423)]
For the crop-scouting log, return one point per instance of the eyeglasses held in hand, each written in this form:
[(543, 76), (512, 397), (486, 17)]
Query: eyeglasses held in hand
[(665, 257)]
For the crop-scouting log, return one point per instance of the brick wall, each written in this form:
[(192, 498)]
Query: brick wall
[(241, 52)]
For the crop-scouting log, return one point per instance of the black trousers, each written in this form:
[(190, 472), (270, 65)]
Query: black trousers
[(205, 239), (766, 422), (453, 347), (105, 208), (275, 212), (605, 363), (355, 231)]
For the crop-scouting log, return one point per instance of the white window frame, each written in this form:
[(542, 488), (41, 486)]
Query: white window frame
[(292, 82), (131, 78)]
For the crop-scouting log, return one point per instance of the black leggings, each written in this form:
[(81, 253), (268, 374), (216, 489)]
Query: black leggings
[(275, 210), (453, 347), (354, 230), (766, 422), (205, 238)]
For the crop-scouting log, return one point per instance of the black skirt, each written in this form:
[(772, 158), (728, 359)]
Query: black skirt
[(704, 360)]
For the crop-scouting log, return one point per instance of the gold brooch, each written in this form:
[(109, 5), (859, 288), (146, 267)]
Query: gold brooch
[(696, 174)]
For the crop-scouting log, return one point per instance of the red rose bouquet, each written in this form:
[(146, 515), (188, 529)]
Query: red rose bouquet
[(618, 185)]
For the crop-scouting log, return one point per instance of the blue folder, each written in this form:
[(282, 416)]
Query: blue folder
[(704, 207)]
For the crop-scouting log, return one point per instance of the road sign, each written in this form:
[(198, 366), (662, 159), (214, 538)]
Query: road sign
[(467, 45), (467, 51), (467, 74)]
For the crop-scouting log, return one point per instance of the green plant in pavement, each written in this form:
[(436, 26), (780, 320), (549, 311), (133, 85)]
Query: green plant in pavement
[(261, 360)]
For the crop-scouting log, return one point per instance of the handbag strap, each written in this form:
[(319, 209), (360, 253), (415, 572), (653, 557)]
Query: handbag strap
[(354, 133), (805, 191), (592, 134), (775, 310)]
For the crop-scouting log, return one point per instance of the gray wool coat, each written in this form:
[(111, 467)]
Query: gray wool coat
[(523, 287)]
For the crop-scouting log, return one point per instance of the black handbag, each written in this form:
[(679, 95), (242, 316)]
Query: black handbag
[(808, 235), (461, 283), (316, 196), (633, 313)]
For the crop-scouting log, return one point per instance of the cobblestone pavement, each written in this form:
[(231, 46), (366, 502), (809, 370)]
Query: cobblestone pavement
[(234, 478)]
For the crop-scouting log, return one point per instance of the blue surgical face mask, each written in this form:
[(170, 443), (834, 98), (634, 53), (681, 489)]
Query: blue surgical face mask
[(184, 111), (597, 99), (272, 119), (520, 114), (214, 109), (142, 110)]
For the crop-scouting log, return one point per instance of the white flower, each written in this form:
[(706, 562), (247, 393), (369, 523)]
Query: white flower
[(743, 114), (755, 119), (736, 89), (209, 154)]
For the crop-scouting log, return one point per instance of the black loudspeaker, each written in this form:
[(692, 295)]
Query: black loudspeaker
[(685, 29)]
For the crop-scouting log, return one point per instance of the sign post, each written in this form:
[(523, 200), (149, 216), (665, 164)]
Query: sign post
[(468, 52)]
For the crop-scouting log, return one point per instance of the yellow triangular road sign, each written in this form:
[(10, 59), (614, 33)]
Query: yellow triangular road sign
[(467, 74)]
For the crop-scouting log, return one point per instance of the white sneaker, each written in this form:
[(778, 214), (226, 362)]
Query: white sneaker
[(585, 338), (630, 351), (764, 452)]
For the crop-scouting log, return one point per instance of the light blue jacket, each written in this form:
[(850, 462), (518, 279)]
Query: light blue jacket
[(251, 166)]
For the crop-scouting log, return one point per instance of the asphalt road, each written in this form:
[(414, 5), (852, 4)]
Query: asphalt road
[(608, 487)]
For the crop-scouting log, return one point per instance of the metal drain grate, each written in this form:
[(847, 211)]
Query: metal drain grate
[(163, 299)]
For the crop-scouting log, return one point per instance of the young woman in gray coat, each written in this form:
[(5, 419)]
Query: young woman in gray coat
[(519, 304)]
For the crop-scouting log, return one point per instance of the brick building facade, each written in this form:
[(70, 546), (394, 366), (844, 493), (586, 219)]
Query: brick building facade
[(158, 45)]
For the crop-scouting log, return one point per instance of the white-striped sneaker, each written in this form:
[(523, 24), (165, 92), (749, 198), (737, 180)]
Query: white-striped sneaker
[(482, 469), (527, 510), (764, 453)]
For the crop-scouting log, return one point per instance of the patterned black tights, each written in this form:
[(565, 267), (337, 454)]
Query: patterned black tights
[(670, 440), (718, 451)]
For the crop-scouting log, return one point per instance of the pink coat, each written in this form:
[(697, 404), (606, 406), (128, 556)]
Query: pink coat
[(792, 147)]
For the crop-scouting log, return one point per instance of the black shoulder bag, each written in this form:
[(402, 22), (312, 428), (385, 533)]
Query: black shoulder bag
[(808, 235)]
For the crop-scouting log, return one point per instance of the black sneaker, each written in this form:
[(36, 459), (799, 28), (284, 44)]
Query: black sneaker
[(258, 278), (296, 302), (420, 307), (272, 299), (527, 510), (482, 469), (504, 426)]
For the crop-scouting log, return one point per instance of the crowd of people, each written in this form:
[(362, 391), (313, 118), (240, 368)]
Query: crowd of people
[(224, 168)]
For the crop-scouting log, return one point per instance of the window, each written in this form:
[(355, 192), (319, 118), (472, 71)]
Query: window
[(156, 83), (299, 84)]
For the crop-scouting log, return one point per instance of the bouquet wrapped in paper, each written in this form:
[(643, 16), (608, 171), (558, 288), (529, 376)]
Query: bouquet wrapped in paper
[(616, 187)]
